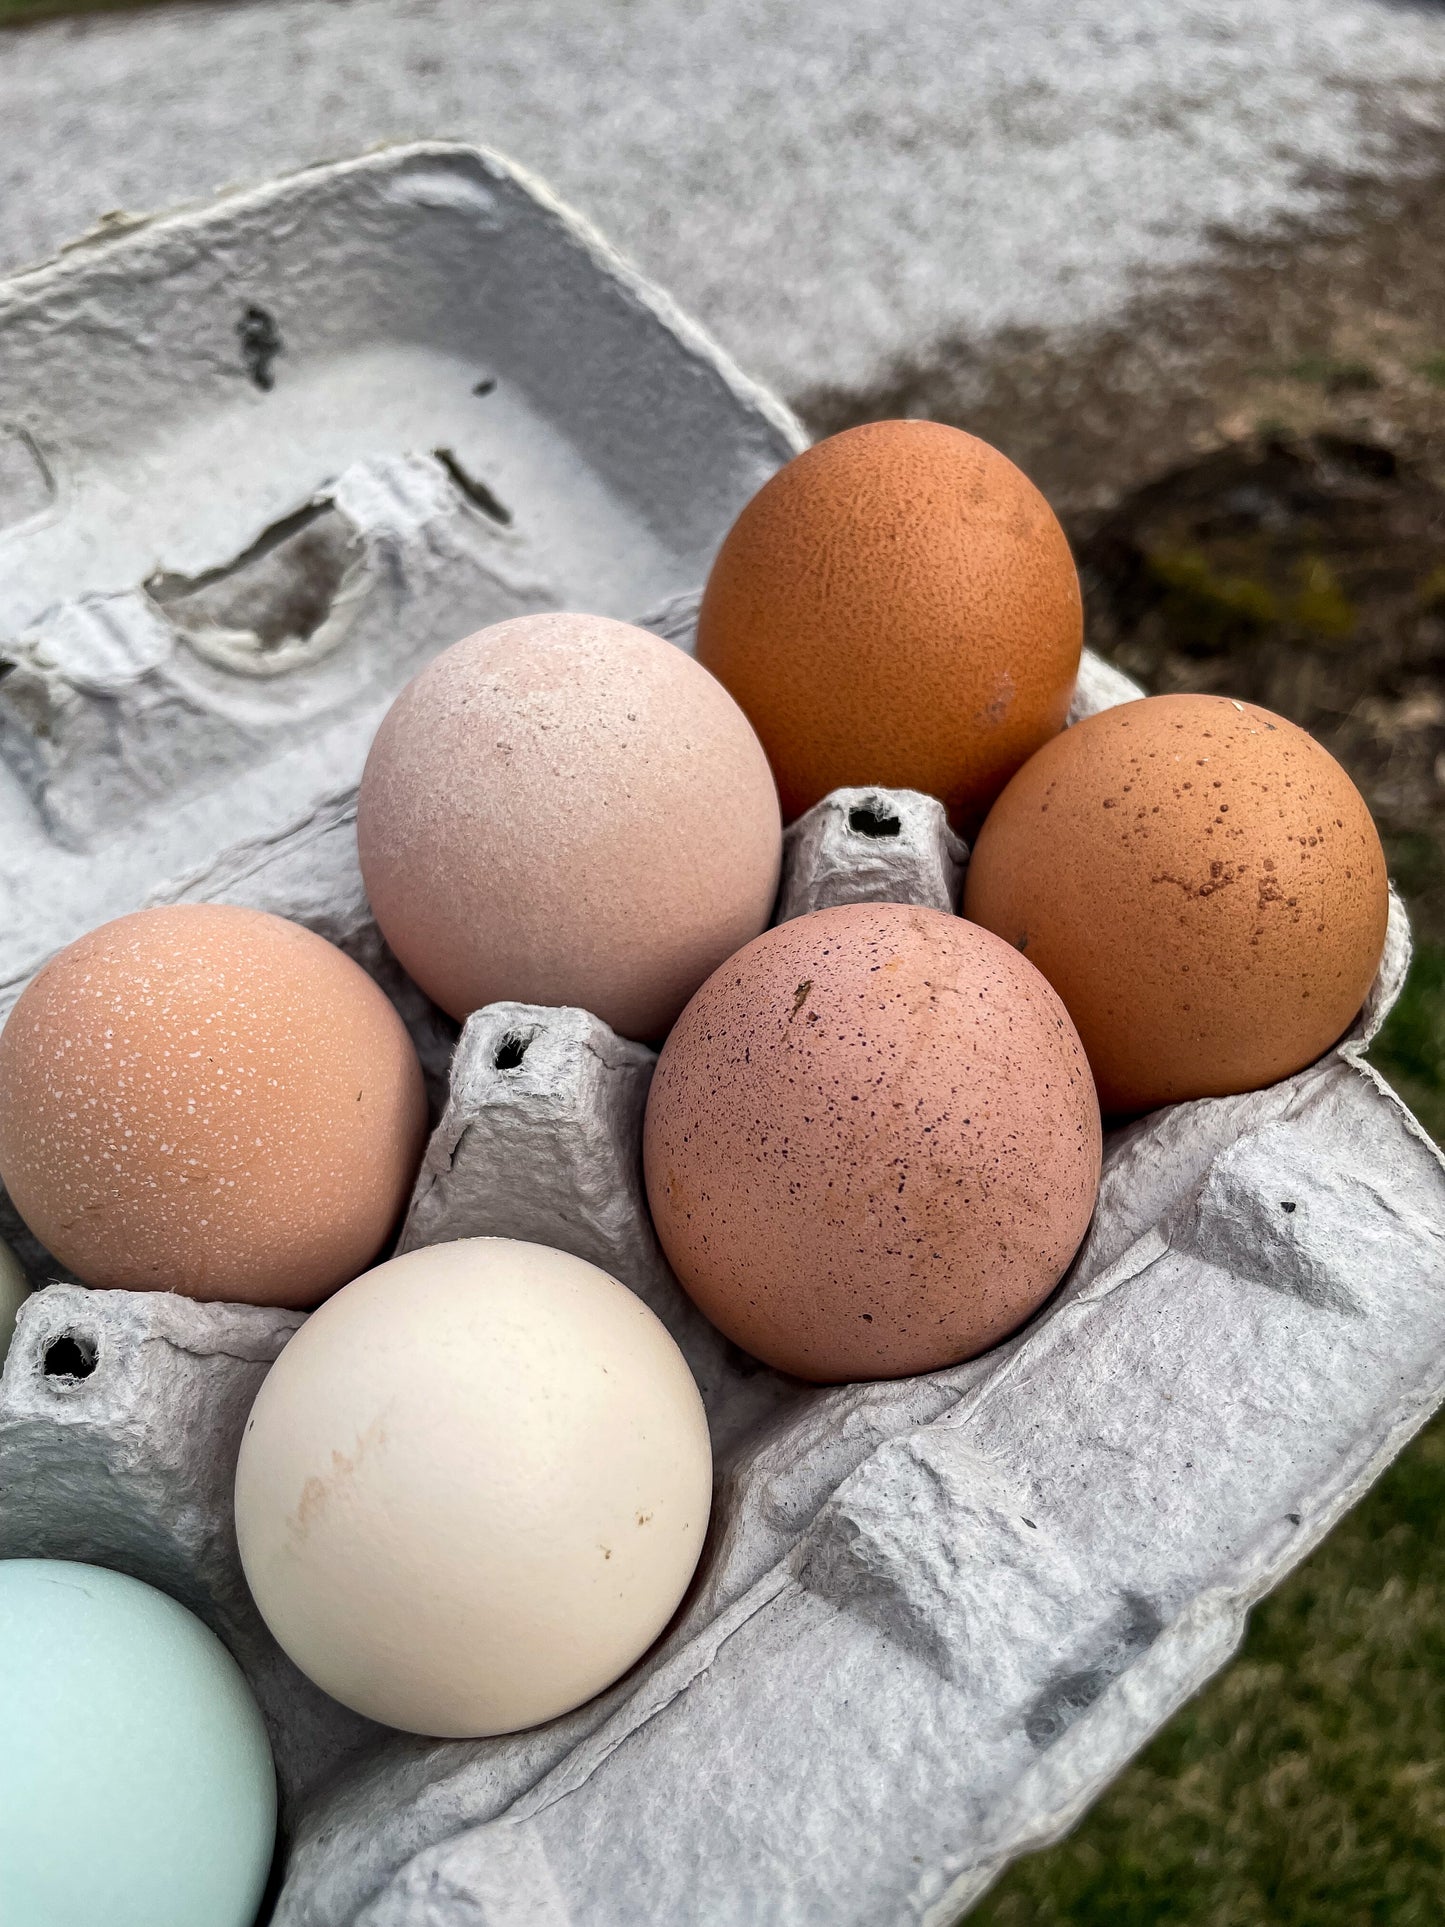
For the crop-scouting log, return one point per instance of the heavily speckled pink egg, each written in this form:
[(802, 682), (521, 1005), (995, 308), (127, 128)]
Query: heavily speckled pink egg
[(872, 1143), (209, 1100)]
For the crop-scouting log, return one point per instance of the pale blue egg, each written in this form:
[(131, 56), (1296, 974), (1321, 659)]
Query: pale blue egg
[(136, 1784)]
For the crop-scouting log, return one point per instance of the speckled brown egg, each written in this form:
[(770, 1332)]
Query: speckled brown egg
[(209, 1100), (872, 1143), (1201, 883), (897, 606), (563, 809)]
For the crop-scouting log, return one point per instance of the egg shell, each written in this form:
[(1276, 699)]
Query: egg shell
[(136, 1785), (211, 1100), (566, 810), (1201, 883), (897, 606), (473, 1488), (872, 1144)]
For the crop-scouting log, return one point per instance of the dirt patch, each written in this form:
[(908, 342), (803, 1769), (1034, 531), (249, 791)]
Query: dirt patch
[(1335, 327)]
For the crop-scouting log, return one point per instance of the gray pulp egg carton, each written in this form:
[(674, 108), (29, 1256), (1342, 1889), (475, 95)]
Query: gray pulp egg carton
[(259, 461)]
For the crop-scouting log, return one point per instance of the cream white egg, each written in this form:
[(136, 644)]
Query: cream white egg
[(473, 1488)]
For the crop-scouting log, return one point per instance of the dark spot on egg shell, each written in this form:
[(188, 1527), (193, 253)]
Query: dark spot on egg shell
[(892, 1190)]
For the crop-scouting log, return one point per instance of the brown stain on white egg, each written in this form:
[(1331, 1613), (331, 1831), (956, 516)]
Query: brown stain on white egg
[(872, 1143), (1202, 884), (896, 606), (473, 1488), (211, 1100)]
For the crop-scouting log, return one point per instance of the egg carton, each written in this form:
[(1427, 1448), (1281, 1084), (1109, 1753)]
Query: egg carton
[(934, 1616)]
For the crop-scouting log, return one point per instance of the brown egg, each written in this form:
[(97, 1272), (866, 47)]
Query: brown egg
[(1200, 882), (872, 1143), (567, 810), (897, 606), (209, 1100)]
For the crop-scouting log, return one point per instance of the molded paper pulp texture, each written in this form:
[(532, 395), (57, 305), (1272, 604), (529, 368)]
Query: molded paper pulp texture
[(934, 1615)]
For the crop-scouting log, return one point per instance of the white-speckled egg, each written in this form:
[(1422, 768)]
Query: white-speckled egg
[(206, 1099)]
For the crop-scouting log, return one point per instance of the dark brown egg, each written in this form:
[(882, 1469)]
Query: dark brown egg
[(898, 606)]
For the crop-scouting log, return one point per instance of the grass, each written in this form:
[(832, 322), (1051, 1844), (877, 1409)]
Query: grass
[(1410, 1050), (1336, 377), (1306, 1786)]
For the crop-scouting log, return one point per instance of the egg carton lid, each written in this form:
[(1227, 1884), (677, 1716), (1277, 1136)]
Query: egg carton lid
[(258, 461)]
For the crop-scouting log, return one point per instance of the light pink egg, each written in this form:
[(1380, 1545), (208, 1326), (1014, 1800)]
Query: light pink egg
[(568, 810)]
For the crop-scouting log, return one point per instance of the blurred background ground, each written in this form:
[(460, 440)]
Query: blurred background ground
[(1186, 264)]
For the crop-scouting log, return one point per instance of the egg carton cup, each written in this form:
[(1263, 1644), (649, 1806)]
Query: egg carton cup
[(934, 1616)]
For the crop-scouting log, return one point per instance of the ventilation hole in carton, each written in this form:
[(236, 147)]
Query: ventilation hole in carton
[(510, 1052), (873, 819), (476, 491), (71, 1356)]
